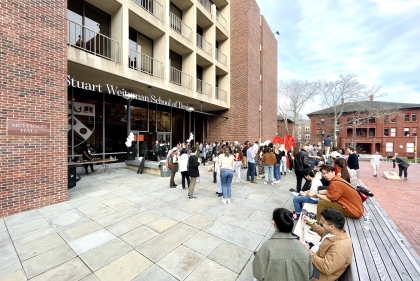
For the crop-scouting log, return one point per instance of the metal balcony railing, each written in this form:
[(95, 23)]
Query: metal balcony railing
[(203, 44), (145, 64), (179, 26), (180, 78), (221, 94), (86, 39), (221, 57), (203, 88), (152, 6), (221, 20), (206, 4)]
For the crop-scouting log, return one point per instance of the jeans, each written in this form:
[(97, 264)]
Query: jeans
[(219, 183), (269, 175), (250, 174), (238, 167), (299, 177), (226, 176), (184, 176), (277, 175), (401, 170), (299, 200)]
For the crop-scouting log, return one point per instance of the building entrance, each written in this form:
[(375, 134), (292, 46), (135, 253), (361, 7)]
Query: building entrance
[(167, 137)]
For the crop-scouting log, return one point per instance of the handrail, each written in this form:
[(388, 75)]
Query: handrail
[(179, 26), (180, 78), (203, 88), (221, 20), (145, 64), (84, 38), (221, 57), (206, 4), (152, 6), (203, 44), (221, 94)]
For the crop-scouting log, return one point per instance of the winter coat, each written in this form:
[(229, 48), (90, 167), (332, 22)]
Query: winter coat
[(183, 162), (193, 166)]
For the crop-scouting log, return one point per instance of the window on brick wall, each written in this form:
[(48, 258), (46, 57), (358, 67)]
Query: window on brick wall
[(407, 118), (413, 117), (393, 132), (410, 147), (386, 132), (349, 120), (406, 132), (389, 147), (386, 119), (372, 120)]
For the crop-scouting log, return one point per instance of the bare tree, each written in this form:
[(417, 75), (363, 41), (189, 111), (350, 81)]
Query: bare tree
[(346, 89), (295, 93)]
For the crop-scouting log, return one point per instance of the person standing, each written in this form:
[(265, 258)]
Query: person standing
[(237, 156), (291, 158), (156, 150), (162, 150), (219, 191), (327, 146), (193, 172), (353, 160), (203, 154), (227, 165), (277, 175), (402, 165), (301, 163), (87, 156), (250, 174), (244, 158), (174, 162), (269, 160), (214, 154), (183, 167), (375, 159)]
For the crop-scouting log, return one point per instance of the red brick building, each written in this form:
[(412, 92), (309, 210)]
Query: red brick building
[(394, 133), (282, 130), (253, 88)]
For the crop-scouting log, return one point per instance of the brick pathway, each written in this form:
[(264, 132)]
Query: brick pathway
[(397, 198)]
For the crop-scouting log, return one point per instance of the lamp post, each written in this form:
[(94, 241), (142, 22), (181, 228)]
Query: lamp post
[(129, 97)]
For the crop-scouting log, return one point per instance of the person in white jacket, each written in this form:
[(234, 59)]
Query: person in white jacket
[(183, 167)]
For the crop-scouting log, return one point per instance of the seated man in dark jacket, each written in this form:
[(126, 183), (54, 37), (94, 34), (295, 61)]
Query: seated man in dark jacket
[(300, 164)]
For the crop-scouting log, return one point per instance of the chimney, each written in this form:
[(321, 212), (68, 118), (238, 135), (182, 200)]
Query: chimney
[(371, 97)]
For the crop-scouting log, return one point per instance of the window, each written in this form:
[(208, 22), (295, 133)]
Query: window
[(393, 120), (307, 136), (332, 121), (350, 120), (393, 132), (372, 120), (407, 118), (389, 147), (307, 128), (413, 117), (386, 119), (410, 147), (386, 132), (406, 132), (322, 121)]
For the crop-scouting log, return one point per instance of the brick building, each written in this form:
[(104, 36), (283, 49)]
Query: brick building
[(81, 71), (282, 130), (394, 133)]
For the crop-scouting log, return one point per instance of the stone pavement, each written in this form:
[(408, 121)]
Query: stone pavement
[(397, 198), (125, 226)]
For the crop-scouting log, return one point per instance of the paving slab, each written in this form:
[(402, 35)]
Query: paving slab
[(232, 218), (2, 226), (216, 210), (15, 276), (66, 220), (180, 262), (209, 270), (105, 253), (90, 200), (235, 235), (155, 273), (90, 277), (33, 235), (161, 245), (27, 227), (174, 212), (118, 203), (194, 206), (123, 227), (91, 241), (9, 260), (39, 246), (162, 224), (73, 270), (198, 221), (203, 243), (124, 268), (262, 215), (48, 260), (147, 216), (79, 230), (96, 210), (21, 218), (139, 236), (268, 207), (241, 209), (55, 209), (247, 273), (120, 216), (231, 256), (256, 226)]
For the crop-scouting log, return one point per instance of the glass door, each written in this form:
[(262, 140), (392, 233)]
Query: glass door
[(167, 137)]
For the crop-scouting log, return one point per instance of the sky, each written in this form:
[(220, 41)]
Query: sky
[(378, 40)]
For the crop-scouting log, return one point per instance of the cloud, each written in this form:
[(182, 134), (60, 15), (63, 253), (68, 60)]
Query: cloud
[(378, 40)]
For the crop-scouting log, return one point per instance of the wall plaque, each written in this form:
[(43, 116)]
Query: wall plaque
[(28, 128)]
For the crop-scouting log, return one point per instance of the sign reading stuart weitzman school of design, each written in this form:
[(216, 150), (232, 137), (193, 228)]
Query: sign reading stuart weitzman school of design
[(114, 90), (28, 128)]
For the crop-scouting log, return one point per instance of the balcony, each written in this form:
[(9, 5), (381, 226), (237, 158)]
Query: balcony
[(180, 27), (203, 44), (221, 57), (221, 94), (180, 78), (92, 42), (151, 6), (206, 4), (145, 64), (220, 19), (204, 88)]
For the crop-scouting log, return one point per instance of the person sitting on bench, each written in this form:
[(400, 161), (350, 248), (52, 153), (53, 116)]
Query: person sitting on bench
[(303, 197), (333, 254)]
